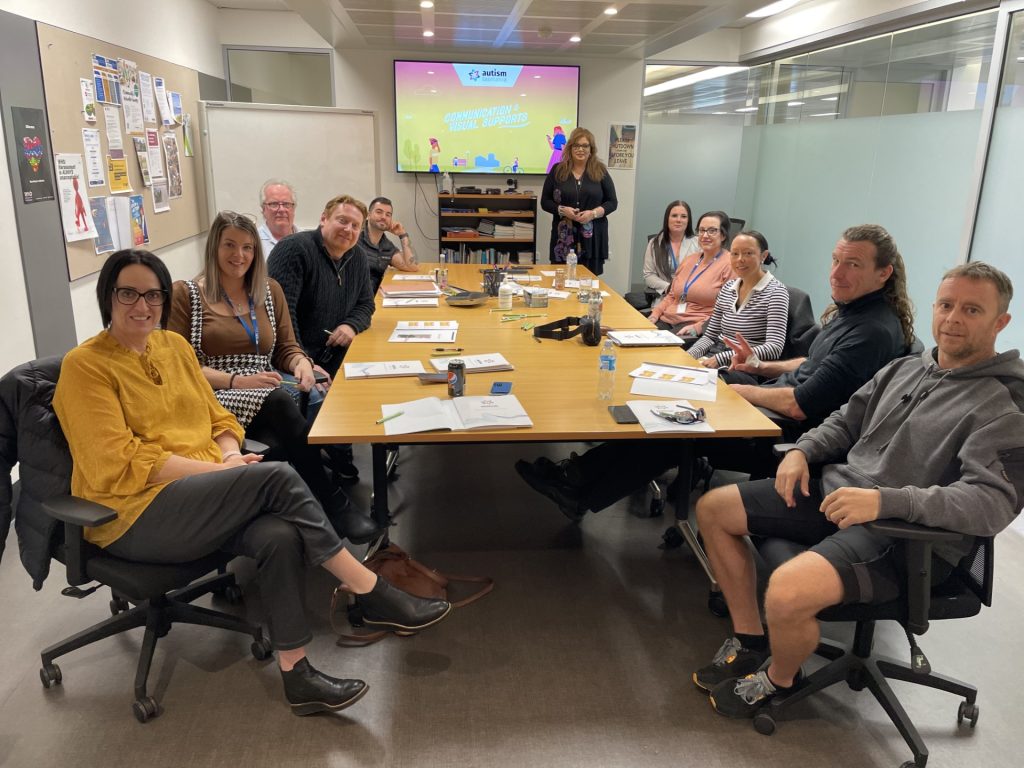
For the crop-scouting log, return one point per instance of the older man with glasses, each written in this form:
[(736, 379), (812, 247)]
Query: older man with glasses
[(277, 204)]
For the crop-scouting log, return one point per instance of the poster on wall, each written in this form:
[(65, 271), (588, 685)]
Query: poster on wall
[(33, 154), (106, 79), (74, 213), (173, 164), (104, 238), (131, 96), (621, 146)]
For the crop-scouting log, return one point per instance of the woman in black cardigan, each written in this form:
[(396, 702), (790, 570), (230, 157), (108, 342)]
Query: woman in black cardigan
[(579, 194)]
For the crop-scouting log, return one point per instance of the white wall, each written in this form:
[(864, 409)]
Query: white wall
[(183, 32)]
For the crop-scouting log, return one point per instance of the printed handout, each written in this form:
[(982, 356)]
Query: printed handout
[(131, 102), (71, 188), (106, 79), (161, 197), (142, 155), (156, 158), (146, 96), (112, 120), (425, 331), (88, 101), (170, 142), (101, 221), (160, 91), (93, 157)]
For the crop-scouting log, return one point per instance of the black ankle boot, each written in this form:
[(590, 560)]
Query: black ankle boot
[(386, 606), (310, 691), (350, 523)]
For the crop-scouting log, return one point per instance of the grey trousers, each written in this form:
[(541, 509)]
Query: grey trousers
[(263, 511)]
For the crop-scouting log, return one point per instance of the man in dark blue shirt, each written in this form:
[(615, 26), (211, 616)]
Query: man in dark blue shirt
[(869, 324)]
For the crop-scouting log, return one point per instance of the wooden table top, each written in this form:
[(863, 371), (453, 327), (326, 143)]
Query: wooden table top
[(556, 381)]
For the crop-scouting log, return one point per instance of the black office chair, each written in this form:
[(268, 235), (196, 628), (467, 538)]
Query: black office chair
[(642, 301), (959, 596), (50, 523)]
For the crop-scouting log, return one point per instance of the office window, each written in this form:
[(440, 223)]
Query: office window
[(280, 76)]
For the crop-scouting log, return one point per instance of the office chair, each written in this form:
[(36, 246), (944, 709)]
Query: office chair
[(51, 523), (642, 301), (959, 596)]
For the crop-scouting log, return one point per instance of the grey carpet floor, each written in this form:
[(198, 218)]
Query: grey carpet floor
[(581, 656)]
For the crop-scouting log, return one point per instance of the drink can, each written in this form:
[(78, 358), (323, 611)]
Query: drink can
[(456, 378)]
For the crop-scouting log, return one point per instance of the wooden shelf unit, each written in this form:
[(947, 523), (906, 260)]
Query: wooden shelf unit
[(467, 211)]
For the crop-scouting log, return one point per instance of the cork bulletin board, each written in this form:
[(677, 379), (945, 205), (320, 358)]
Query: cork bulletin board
[(66, 58)]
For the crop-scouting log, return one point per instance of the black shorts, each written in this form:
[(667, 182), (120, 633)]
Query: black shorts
[(865, 561)]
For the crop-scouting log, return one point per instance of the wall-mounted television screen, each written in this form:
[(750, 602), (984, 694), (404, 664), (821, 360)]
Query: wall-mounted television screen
[(483, 118)]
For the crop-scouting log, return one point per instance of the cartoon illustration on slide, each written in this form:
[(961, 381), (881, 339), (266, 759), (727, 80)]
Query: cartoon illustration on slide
[(556, 144), (515, 165), (435, 155), (81, 218)]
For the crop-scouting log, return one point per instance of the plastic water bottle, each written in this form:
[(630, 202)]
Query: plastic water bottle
[(570, 265), (505, 293), (606, 371)]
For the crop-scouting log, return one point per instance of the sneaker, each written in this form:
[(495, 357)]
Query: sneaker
[(744, 696), (731, 661), (545, 477)]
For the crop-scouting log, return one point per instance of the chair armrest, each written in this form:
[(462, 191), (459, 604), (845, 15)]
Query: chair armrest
[(901, 529), (781, 449), (77, 514), (81, 512)]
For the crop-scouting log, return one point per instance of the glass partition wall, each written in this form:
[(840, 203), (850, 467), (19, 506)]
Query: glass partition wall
[(882, 130)]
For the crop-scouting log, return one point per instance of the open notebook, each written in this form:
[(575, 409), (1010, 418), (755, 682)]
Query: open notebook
[(459, 414)]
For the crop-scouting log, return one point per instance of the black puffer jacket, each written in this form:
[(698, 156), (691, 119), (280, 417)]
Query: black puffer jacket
[(30, 436)]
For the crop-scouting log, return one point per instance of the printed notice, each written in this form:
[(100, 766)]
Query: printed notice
[(33, 155), (88, 100), (93, 157), (142, 155), (170, 142), (146, 94), (156, 160), (117, 172), (106, 80), (112, 119), (74, 212)]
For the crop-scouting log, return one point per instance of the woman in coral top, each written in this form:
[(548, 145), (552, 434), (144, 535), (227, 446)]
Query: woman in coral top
[(150, 441), (691, 299)]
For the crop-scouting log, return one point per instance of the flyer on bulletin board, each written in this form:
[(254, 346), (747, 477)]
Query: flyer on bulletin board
[(117, 172), (74, 213)]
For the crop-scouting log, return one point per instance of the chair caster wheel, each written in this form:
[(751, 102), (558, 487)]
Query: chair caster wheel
[(656, 508), (764, 724), (261, 648), (50, 675), (717, 605), (671, 539), (969, 711), (119, 605), (145, 709), (232, 594)]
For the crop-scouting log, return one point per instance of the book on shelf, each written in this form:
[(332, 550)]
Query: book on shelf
[(467, 232), (459, 414), (383, 369), (493, 361), (658, 338), (410, 289)]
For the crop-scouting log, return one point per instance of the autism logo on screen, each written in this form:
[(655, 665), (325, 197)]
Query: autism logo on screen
[(487, 75)]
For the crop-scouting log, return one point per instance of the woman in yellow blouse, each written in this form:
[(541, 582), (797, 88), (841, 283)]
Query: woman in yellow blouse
[(149, 440)]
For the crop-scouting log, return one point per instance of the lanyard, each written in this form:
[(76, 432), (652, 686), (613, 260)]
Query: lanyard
[(691, 279), (672, 255), (252, 332)]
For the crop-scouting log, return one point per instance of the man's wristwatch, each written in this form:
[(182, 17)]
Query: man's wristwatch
[(404, 236)]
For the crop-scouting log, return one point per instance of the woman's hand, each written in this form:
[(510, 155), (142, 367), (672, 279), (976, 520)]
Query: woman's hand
[(263, 380), (240, 460), (585, 217), (691, 331), (708, 362), (304, 374)]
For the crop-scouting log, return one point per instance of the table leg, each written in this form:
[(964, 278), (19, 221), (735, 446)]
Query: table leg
[(686, 527)]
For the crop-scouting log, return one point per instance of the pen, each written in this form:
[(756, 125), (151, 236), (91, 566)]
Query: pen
[(447, 349), (699, 369), (394, 415)]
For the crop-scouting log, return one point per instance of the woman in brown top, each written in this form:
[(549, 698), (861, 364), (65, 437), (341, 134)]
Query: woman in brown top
[(238, 323)]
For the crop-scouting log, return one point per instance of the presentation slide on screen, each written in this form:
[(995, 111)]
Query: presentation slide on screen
[(483, 118)]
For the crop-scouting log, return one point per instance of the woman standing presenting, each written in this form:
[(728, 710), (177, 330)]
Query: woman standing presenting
[(691, 298), (579, 194), (238, 323), (150, 441)]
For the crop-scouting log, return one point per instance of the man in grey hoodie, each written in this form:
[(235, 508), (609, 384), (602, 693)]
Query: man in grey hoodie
[(936, 440)]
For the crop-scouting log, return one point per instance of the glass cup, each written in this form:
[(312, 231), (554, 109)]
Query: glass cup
[(558, 283)]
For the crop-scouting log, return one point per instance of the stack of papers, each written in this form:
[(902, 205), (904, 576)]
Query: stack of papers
[(383, 369), (652, 338), (458, 414), (434, 331), (476, 363), (410, 289), (643, 410), (662, 380)]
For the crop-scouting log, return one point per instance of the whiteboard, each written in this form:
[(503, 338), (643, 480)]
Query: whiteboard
[(321, 151)]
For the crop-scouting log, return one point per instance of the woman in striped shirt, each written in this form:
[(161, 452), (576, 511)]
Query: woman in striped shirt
[(753, 307)]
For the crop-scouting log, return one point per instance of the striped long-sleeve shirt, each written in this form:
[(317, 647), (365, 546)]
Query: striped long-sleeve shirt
[(761, 320)]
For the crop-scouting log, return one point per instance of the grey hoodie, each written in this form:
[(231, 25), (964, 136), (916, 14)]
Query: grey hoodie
[(944, 446)]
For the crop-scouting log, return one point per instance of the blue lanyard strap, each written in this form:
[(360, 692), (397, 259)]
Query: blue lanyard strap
[(672, 256), (691, 279), (253, 332)]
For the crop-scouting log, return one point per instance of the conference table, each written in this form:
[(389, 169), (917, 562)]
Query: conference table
[(555, 381)]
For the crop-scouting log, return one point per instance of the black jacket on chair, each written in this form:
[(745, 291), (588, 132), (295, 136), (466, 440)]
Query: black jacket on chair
[(30, 436)]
